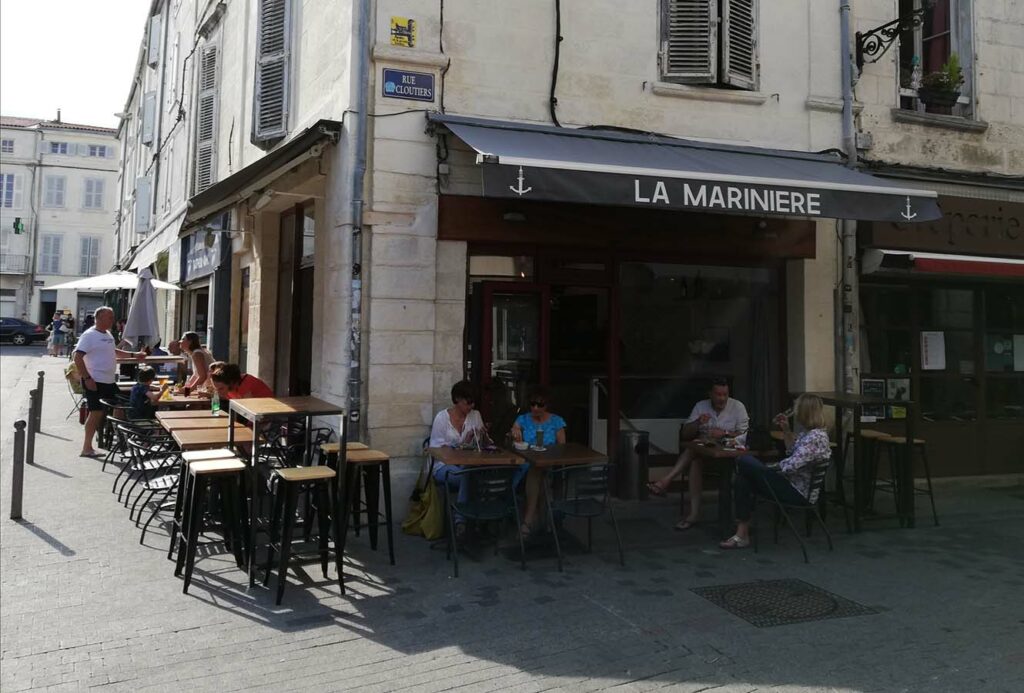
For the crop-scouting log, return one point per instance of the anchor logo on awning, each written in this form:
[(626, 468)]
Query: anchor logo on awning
[(908, 215), (520, 190)]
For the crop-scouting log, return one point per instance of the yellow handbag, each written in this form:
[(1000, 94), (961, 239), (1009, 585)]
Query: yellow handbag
[(426, 508)]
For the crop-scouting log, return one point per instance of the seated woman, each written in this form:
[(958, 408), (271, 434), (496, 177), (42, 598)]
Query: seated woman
[(459, 424), (791, 481), (143, 399), (231, 383), (551, 428), (201, 359)]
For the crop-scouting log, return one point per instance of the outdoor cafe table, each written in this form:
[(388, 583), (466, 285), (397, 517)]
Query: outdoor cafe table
[(474, 458), (862, 481), (259, 409), (208, 422), (151, 360), (564, 455), (206, 438), (184, 414), (182, 402)]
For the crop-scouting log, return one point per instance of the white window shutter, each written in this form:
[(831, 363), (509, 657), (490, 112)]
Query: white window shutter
[(270, 91), (148, 116), (143, 198), (739, 43), (44, 147), (204, 166), (16, 203), (689, 41), (153, 56)]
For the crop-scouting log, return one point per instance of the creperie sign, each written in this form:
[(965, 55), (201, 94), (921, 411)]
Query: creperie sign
[(967, 225)]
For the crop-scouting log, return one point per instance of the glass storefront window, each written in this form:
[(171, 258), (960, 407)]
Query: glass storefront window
[(888, 351), (1004, 308), (1005, 398), (948, 399), (501, 267), (886, 306), (942, 308), (1000, 356)]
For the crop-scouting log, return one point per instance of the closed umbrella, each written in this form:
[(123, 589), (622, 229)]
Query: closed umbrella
[(142, 325)]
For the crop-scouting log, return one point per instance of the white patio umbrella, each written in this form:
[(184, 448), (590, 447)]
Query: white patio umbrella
[(110, 282), (142, 325)]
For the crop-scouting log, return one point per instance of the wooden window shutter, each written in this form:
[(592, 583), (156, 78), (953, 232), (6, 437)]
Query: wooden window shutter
[(739, 43), (270, 91), (143, 203), (204, 168), (689, 41)]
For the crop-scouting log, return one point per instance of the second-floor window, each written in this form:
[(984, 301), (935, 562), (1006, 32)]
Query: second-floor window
[(54, 191), (205, 162), (49, 254), (10, 191), (98, 150), (90, 261), (6, 146), (58, 147), (710, 42), (271, 84), (926, 50), (92, 197)]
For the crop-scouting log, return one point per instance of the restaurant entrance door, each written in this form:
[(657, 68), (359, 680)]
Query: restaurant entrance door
[(552, 335)]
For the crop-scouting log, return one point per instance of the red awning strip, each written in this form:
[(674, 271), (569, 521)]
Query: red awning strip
[(972, 267)]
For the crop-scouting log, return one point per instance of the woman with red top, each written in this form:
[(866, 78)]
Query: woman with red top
[(231, 383)]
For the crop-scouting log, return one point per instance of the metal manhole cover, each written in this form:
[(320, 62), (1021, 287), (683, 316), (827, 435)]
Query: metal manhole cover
[(780, 602)]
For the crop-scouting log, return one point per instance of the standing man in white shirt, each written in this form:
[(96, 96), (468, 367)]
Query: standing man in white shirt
[(718, 416), (96, 360)]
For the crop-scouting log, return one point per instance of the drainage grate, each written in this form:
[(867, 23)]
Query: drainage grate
[(780, 602)]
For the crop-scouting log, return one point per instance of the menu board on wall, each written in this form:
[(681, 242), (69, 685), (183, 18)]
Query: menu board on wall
[(933, 351)]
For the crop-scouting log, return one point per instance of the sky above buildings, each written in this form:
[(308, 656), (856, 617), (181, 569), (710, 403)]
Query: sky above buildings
[(76, 55)]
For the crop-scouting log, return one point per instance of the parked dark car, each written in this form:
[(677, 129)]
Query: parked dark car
[(21, 332)]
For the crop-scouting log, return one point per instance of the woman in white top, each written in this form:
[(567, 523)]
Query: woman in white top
[(459, 424), (201, 360)]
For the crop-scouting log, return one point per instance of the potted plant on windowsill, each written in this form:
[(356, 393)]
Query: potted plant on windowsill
[(941, 88)]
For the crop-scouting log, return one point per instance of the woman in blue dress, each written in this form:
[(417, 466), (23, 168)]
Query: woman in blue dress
[(551, 430)]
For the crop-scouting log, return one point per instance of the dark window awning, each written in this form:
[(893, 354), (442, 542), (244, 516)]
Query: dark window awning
[(242, 183), (539, 162), (876, 260)]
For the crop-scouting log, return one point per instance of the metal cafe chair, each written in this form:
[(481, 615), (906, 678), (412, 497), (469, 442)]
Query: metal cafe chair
[(581, 491), (809, 507), (490, 495)]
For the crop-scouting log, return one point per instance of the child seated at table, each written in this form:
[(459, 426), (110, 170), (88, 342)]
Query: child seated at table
[(142, 400)]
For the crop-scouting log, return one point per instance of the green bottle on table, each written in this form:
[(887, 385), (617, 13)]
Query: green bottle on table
[(215, 404)]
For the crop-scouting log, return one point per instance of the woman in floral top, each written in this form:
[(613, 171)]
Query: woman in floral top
[(791, 481)]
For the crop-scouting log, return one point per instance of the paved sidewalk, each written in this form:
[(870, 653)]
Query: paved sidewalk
[(83, 604)]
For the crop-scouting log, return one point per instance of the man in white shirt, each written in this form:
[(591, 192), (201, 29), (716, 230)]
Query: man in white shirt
[(96, 360), (718, 416)]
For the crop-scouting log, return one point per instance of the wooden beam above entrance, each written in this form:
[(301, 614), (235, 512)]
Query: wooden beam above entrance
[(627, 232)]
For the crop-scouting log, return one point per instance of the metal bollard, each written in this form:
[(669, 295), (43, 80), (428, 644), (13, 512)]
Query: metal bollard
[(30, 441), (18, 473), (39, 400)]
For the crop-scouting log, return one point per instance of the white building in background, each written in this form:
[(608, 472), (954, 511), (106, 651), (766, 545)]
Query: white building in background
[(57, 182)]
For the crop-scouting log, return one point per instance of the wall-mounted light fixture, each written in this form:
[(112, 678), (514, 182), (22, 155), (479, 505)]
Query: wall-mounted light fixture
[(873, 44)]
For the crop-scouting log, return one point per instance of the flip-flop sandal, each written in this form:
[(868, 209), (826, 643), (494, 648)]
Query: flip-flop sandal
[(734, 542), (655, 490), (91, 455), (685, 525)]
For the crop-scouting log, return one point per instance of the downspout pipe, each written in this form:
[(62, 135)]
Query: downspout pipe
[(361, 71), (849, 298)]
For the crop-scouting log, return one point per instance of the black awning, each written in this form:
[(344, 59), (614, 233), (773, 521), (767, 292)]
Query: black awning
[(593, 166), (238, 185)]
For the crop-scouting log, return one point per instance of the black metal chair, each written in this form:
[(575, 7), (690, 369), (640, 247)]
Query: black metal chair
[(490, 496), (809, 507), (581, 491)]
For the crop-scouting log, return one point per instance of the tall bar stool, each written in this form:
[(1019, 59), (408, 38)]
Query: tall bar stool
[(228, 474), (371, 470), (180, 504), (895, 449), (289, 483), (869, 439)]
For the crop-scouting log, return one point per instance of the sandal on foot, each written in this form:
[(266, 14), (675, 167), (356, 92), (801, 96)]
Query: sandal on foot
[(655, 490), (734, 542), (684, 525), (525, 531)]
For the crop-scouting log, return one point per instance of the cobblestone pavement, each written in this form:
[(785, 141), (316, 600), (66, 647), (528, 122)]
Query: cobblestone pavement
[(83, 604)]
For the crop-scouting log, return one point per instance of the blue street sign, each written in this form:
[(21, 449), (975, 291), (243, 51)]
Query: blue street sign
[(415, 86)]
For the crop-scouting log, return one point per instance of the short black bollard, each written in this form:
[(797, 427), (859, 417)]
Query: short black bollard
[(18, 473), (30, 441), (39, 400)]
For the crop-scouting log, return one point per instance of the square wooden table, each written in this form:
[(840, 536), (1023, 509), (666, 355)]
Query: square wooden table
[(209, 422), (182, 402), (258, 409), (475, 458), (724, 460), (204, 438), (184, 414), (151, 360), (562, 455)]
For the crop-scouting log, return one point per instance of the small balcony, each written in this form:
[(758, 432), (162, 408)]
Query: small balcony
[(13, 264)]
